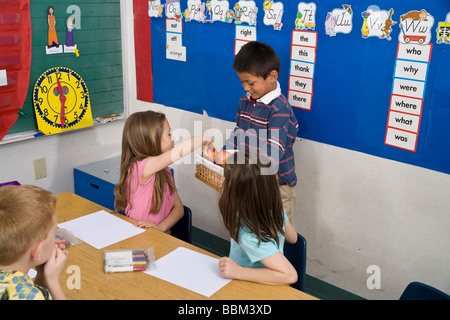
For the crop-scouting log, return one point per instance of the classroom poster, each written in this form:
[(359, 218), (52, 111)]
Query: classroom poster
[(357, 81)]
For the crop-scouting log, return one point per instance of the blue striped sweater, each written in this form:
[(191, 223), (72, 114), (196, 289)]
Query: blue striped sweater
[(269, 126)]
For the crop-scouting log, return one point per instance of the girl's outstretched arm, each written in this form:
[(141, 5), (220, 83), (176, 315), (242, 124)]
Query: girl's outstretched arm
[(162, 161)]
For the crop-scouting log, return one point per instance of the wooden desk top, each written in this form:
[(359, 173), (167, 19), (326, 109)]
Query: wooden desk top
[(97, 285)]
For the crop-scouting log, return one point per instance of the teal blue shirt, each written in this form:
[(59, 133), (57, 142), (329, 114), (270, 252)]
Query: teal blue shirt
[(247, 253)]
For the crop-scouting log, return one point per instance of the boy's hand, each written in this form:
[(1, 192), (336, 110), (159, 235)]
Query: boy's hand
[(207, 141), (221, 157), (56, 262), (49, 272), (60, 243)]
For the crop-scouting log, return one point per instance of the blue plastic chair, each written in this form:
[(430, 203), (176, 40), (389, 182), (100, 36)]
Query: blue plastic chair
[(183, 228), (421, 291), (296, 254)]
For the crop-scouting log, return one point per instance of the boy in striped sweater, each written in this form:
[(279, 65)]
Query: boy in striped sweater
[(265, 121)]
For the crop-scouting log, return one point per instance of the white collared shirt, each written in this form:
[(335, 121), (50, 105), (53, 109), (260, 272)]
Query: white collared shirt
[(268, 97)]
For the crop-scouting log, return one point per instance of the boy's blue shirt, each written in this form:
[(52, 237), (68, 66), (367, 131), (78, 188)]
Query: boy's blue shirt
[(275, 128)]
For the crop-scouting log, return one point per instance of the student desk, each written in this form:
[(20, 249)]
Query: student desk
[(97, 285)]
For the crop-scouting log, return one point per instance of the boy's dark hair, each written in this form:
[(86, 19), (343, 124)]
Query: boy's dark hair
[(257, 58)]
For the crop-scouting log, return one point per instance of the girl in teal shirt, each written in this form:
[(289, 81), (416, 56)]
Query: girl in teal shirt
[(254, 216)]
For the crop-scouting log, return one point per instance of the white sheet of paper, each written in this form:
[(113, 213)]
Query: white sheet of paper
[(100, 229), (191, 270)]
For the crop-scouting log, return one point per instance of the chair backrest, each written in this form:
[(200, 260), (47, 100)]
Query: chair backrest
[(421, 291), (183, 228), (296, 254), (13, 183)]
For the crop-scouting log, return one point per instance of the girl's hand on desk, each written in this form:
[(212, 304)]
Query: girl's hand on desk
[(229, 268), (147, 224)]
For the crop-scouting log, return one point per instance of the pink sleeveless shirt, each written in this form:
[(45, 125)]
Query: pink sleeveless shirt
[(141, 197)]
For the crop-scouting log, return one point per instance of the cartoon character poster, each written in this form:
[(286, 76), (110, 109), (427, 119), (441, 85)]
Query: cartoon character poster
[(246, 12), (173, 9), (415, 27), (217, 10), (339, 21), (155, 9), (377, 23), (273, 14), (306, 16), (70, 46), (196, 11), (443, 31), (53, 42)]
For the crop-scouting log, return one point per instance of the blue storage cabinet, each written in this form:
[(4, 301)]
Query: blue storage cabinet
[(96, 181)]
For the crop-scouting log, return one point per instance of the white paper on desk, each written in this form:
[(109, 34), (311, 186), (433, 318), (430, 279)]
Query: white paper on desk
[(191, 270), (101, 229)]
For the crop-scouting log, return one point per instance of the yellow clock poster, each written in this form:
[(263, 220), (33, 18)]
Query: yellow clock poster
[(61, 101)]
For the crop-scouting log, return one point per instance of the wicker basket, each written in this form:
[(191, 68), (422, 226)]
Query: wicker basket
[(209, 173)]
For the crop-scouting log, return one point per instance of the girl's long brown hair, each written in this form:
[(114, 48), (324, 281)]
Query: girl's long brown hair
[(141, 139), (251, 198)]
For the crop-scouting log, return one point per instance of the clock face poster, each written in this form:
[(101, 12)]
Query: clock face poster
[(61, 101)]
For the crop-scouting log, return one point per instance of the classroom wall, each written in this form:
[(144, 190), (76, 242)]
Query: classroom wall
[(62, 153), (355, 210), (358, 212)]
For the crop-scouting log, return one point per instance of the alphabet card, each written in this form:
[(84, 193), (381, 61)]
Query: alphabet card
[(173, 9), (443, 31), (247, 11), (415, 27), (339, 21), (195, 11), (273, 14), (218, 10), (377, 23), (155, 9), (306, 16)]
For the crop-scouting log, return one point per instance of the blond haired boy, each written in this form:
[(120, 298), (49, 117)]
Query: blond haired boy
[(27, 239)]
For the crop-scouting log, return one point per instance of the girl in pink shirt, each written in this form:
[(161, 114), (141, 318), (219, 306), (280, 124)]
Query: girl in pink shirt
[(146, 191)]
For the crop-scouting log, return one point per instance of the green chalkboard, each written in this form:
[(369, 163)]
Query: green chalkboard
[(98, 39)]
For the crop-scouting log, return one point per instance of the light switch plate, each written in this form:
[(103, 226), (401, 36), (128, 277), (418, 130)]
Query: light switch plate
[(40, 169)]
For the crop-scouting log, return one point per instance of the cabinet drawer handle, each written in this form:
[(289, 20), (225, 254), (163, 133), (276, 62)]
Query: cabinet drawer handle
[(95, 186)]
